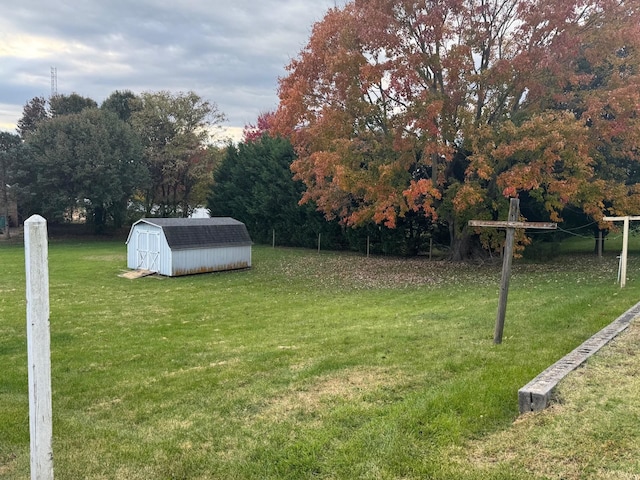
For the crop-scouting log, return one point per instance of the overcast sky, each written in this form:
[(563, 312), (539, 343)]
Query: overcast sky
[(229, 52)]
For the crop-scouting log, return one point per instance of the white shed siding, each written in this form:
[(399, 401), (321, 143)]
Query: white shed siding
[(175, 247), (147, 247), (165, 256), (210, 259)]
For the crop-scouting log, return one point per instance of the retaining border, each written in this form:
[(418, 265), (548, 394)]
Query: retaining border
[(536, 394)]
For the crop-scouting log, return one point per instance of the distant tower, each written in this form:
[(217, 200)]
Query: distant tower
[(54, 81)]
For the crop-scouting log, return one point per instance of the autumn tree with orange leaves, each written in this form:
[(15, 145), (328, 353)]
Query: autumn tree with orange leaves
[(449, 107)]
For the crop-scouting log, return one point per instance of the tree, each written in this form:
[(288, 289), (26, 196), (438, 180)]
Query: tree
[(34, 111), (68, 104), (252, 133), (577, 146), (122, 103), (253, 184), (448, 107), (89, 161), (9, 146), (195, 178), (174, 130)]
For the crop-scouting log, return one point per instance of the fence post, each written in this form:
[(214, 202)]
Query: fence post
[(38, 348), (600, 244)]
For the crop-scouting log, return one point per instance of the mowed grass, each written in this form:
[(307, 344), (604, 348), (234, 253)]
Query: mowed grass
[(308, 365)]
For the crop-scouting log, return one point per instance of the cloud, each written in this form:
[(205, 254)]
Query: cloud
[(231, 53)]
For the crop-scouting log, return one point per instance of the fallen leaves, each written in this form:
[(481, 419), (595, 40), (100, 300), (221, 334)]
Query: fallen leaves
[(357, 272)]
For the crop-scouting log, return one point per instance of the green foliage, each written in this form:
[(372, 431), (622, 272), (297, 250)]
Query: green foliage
[(90, 160), (82, 158), (122, 103), (9, 156), (253, 184), (35, 110), (174, 130), (68, 104)]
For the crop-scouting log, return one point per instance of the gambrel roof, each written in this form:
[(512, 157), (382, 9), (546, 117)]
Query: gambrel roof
[(184, 233)]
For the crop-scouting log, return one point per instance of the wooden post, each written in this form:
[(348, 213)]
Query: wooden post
[(319, 236), (625, 244), (514, 211), (510, 225), (430, 247), (273, 242), (38, 348), (600, 242), (367, 246)]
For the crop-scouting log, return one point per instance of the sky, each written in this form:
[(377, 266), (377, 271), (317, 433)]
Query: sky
[(230, 52)]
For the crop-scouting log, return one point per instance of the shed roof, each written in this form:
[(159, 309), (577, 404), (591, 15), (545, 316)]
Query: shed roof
[(182, 233)]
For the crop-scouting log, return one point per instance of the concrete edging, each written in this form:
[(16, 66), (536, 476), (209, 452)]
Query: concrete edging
[(536, 394)]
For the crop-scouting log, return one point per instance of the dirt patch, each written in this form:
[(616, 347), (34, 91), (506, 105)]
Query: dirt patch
[(344, 386)]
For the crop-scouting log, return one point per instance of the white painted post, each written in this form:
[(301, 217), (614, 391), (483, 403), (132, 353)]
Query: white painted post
[(625, 244), (38, 348), (625, 250)]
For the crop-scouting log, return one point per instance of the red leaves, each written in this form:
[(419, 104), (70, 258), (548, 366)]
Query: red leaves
[(265, 123), (510, 192)]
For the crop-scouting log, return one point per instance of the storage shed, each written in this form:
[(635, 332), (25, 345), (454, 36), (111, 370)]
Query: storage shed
[(182, 246)]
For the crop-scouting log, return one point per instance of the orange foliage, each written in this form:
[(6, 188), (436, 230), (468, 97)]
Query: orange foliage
[(524, 95)]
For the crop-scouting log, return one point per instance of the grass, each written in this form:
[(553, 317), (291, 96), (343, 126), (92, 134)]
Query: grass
[(591, 431), (306, 366)]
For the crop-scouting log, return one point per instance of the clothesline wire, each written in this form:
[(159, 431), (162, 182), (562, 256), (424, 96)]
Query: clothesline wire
[(570, 232)]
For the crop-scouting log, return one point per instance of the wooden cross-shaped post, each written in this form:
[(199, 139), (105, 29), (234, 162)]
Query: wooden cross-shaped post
[(625, 244), (510, 225)]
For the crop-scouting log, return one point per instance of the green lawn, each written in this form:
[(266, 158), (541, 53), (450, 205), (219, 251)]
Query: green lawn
[(306, 366)]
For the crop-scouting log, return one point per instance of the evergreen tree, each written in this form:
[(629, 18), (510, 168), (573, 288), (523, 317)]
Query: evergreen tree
[(254, 184)]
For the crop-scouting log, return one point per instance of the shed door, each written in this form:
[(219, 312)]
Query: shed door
[(148, 256)]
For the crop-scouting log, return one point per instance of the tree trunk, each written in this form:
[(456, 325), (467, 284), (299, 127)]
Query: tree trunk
[(460, 243), (5, 199), (598, 249), (7, 235), (434, 169), (99, 219)]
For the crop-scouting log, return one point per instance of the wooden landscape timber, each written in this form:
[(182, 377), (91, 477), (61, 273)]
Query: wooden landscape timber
[(536, 394)]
